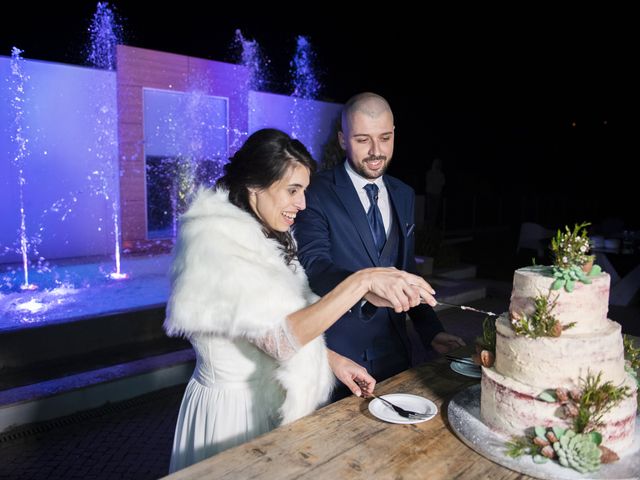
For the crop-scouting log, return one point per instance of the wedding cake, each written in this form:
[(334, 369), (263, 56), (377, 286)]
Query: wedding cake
[(555, 351)]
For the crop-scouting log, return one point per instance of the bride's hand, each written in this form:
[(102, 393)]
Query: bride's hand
[(354, 376), (389, 287)]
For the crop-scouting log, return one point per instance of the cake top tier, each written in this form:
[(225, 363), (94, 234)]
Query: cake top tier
[(585, 307)]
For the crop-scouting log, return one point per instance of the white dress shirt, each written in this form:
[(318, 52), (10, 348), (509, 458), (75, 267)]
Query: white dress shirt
[(383, 196)]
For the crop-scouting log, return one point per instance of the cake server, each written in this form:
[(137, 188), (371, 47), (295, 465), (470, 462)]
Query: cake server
[(464, 307)]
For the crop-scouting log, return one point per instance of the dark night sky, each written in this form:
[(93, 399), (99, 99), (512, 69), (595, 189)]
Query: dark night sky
[(494, 94)]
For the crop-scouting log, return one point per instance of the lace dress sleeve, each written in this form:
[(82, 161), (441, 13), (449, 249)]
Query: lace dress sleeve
[(279, 343)]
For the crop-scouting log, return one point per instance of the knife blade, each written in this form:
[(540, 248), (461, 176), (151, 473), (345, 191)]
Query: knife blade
[(465, 307)]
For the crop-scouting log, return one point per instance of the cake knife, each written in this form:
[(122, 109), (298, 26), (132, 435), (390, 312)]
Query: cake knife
[(464, 307)]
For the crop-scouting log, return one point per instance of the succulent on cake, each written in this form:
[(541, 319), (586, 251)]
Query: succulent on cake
[(486, 344), (572, 262), (578, 447), (542, 322), (580, 451)]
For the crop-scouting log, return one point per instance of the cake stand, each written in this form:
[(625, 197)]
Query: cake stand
[(464, 417)]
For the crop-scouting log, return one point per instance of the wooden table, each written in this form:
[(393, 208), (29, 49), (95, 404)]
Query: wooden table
[(344, 441)]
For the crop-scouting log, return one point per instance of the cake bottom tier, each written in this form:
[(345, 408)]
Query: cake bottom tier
[(509, 407)]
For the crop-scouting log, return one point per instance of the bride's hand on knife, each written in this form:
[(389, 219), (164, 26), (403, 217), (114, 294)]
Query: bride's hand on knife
[(398, 289)]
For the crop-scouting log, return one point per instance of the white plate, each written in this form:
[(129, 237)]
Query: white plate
[(467, 370), (402, 400)]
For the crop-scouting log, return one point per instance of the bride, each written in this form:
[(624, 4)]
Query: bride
[(242, 299)]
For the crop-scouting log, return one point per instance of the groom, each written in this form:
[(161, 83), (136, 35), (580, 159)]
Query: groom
[(358, 217)]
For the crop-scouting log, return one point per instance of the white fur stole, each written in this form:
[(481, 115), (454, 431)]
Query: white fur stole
[(229, 279)]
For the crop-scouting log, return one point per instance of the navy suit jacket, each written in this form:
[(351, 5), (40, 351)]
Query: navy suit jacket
[(334, 241)]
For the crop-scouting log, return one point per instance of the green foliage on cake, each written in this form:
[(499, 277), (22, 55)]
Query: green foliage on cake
[(578, 447), (488, 339), (631, 354), (597, 399), (632, 360), (542, 322), (572, 262), (587, 405)]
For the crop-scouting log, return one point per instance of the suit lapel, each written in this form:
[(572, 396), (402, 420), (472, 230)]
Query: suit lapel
[(401, 214), (349, 197), (397, 204)]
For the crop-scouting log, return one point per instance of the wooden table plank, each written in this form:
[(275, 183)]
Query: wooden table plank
[(344, 441)]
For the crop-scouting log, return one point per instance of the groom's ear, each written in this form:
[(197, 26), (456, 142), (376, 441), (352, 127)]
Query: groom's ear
[(342, 141)]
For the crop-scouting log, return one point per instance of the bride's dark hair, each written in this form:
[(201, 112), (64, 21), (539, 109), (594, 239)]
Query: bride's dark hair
[(265, 158)]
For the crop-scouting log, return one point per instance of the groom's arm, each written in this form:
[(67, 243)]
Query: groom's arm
[(312, 233)]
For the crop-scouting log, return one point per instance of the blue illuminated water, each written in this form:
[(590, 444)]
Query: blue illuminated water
[(303, 70), (76, 290), (105, 34)]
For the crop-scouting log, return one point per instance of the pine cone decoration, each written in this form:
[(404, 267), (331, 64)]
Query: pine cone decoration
[(586, 267), (487, 358), (562, 394), (575, 395), (541, 442), (548, 452), (570, 410), (608, 455), (556, 330), (551, 436)]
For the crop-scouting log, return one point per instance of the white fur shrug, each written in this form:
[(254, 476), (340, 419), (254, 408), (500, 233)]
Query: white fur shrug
[(229, 279)]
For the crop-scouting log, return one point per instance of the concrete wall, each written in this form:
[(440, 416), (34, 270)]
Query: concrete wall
[(310, 121), (63, 202)]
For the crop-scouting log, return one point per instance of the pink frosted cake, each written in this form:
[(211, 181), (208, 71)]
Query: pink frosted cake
[(526, 365)]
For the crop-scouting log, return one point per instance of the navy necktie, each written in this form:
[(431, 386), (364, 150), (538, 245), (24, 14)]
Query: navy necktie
[(375, 217)]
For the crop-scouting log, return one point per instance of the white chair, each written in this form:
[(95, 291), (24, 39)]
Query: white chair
[(534, 237)]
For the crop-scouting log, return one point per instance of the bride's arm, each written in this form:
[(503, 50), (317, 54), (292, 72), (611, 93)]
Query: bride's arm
[(279, 343), (400, 289)]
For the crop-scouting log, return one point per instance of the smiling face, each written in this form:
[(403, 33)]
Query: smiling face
[(278, 205), (368, 141)]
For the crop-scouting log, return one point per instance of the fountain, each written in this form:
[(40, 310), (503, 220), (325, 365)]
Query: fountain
[(252, 57), (306, 86), (249, 54), (80, 211), (305, 82), (105, 34), (71, 290), (20, 139)]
